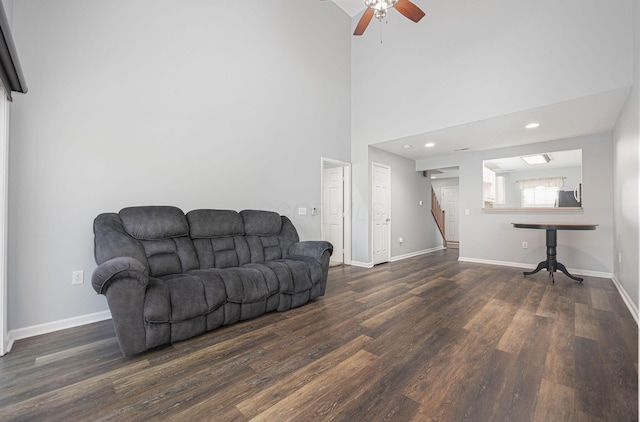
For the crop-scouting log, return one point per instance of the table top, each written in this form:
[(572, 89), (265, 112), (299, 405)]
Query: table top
[(552, 226)]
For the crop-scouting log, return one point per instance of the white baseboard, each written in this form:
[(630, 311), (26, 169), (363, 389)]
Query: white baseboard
[(529, 266), (362, 264), (398, 257), (626, 298), (412, 254), (50, 327)]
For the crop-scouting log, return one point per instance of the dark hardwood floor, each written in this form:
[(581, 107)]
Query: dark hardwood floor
[(427, 338)]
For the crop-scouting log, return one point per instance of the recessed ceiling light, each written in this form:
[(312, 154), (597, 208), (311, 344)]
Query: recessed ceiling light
[(430, 145), (536, 159), (532, 125), (407, 146)]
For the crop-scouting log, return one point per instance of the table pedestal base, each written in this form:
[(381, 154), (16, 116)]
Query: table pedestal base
[(551, 264)]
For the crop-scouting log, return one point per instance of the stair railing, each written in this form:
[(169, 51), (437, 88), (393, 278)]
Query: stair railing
[(438, 215)]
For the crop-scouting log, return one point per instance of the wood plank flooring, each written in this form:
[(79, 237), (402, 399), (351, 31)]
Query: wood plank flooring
[(423, 339)]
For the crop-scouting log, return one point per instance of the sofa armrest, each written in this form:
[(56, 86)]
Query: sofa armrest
[(312, 248), (117, 268), (124, 281)]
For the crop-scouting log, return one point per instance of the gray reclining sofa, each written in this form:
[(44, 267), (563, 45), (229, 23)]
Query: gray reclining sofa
[(169, 276)]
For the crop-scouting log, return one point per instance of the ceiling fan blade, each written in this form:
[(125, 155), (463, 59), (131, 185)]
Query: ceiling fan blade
[(409, 10), (364, 22)]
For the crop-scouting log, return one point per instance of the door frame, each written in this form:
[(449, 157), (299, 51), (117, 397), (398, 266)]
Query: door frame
[(442, 188), (346, 227), (371, 226), (5, 342)]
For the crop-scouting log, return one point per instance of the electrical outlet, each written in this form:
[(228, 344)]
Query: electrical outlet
[(620, 257), (525, 245), (77, 277)]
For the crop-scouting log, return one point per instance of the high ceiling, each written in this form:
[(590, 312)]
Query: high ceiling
[(578, 117), (591, 114), (352, 7)]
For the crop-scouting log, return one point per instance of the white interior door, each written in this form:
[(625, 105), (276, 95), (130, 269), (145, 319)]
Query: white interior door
[(381, 212), (333, 210), (451, 212)]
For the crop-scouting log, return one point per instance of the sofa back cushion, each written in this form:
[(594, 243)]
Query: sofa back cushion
[(163, 233), (268, 234), (218, 237)]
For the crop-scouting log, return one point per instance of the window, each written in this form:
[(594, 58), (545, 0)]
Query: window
[(540, 192), (539, 197)]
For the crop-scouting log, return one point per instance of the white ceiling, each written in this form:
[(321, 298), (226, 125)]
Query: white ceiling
[(351, 7), (592, 114), (582, 116)]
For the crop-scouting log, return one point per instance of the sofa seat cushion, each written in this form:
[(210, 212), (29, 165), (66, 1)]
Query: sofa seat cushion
[(180, 297), (312, 266), (242, 284), (294, 276)]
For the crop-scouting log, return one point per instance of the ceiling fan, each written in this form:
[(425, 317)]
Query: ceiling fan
[(378, 8)]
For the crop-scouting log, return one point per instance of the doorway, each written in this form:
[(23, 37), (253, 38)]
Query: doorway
[(450, 200), (336, 208), (445, 186), (381, 213)]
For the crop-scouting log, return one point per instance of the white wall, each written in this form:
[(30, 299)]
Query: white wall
[(469, 60), (8, 10), (162, 102), (626, 138), (409, 220), (490, 236)]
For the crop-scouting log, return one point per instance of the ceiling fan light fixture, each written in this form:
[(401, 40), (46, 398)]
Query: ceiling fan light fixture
[(380, 4), (378, 8)]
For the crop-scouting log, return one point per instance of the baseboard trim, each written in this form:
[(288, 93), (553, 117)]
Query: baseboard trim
[(9, 344), (398, 257), (529, 266), (418, 253), (626, 298), (50, 327), (362, 264)]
